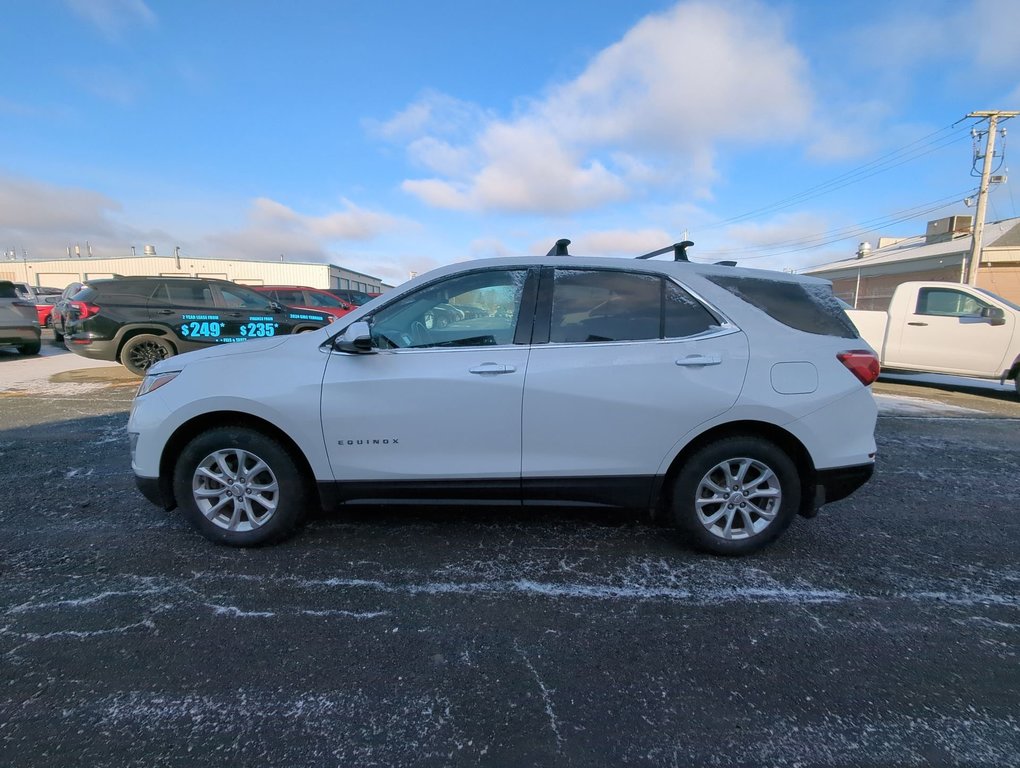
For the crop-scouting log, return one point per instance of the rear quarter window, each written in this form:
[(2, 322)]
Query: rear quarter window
[(804, 307), (7, 291)]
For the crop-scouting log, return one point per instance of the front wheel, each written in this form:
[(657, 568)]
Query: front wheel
[(140, 353), (240, 487), (735, 496)]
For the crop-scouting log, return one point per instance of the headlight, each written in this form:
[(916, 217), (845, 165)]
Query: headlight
[(155, 381)]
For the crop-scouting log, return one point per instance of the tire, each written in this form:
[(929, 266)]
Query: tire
[(253, 509), (140, 353), (57, 335), (1016, 383), (31, 348), (706, 502)]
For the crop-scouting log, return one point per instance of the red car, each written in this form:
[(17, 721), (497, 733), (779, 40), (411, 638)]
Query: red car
[(300, 297), (44, 308)]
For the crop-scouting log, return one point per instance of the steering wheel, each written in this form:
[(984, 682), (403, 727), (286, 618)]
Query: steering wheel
[(420, 336)]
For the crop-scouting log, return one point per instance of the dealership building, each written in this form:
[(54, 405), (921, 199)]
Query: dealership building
[(60, 272)]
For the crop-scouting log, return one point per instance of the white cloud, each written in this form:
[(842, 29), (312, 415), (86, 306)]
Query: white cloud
[(30, 208), (44, 219), (114, 17), (649, 109)]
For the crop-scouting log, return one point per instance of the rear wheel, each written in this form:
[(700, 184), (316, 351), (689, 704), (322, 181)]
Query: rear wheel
[(31, 348), (140, 353), (240, 487), (735, 496)]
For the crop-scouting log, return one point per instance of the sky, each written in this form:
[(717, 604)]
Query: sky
[(392, 136)]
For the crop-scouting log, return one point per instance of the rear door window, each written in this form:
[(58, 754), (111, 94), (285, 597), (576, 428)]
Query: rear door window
[(595, 305)]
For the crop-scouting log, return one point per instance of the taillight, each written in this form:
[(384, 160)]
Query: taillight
[(84, 309), (862, 363)]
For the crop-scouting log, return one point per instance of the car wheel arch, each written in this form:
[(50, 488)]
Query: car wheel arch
[(190, 429), (760, 429), (125, 334)]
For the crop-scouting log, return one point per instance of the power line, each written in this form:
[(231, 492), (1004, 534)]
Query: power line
[(926, 145), (848, 231)]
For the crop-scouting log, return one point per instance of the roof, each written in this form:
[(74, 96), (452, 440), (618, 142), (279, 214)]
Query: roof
[(999, 234)]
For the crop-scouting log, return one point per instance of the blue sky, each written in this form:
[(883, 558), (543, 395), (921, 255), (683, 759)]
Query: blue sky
[(392, 137)]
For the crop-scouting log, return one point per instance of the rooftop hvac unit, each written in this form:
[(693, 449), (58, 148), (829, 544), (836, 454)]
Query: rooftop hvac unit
[(944, 229), (149, 250)]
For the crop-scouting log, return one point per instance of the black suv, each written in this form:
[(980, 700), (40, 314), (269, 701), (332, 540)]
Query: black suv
[(139, 321)]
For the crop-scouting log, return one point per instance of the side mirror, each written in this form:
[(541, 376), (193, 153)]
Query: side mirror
[(356, 339), (994, 315)]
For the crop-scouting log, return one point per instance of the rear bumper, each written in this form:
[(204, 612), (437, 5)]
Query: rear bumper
[(838, 483), (94, 349), (26, 334)]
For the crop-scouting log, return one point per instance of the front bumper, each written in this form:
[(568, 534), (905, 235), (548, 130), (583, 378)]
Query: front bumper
[(155, 491)]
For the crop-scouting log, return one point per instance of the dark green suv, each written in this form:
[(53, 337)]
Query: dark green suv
[(139, 321)]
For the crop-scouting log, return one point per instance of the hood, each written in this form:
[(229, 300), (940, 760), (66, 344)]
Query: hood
[(252, 346)]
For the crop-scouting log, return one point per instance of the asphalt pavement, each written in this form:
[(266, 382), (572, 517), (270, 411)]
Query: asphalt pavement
[(883, 632)]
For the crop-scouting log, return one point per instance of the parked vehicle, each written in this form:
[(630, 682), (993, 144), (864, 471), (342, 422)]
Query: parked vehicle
[(61, 310), (945, 328), (19, 325), (32, 293), (301, 297), (357, 298), (724, 401), (139, 321)]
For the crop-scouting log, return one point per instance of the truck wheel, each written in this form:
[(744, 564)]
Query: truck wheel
[(736, 495), (30, 349), (240, 487), (140, 353)]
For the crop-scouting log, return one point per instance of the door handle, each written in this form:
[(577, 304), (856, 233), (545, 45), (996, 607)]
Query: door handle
[(492, 369), (165, 312), (917, 323), (700, 360)]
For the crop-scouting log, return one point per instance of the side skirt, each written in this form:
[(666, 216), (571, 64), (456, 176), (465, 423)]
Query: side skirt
[(628, 491)]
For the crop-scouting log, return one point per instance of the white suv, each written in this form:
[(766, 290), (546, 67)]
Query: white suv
[(723, 400)]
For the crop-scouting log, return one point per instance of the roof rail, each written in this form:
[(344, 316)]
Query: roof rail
[(679, 251), (726, 263), (559, 248)]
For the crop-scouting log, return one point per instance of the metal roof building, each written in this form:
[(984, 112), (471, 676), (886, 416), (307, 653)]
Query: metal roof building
[(868, 280), (62, 271)]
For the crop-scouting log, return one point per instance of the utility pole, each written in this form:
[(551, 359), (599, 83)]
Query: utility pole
[(993, 118)]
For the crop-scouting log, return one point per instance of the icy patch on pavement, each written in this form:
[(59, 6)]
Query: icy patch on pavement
[(902, 405), (42, 387)]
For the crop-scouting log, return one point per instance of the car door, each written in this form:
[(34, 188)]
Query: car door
[(434, 411), (188, 309), (947, 332), (628, 364), (248, 314)]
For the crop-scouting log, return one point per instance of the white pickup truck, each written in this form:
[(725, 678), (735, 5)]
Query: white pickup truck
[(945, 328)]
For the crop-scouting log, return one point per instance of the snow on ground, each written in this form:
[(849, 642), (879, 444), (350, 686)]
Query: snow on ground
[(902, 405), (34, 372)]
